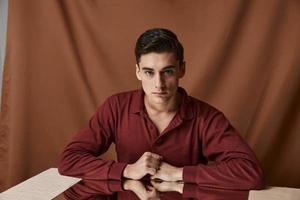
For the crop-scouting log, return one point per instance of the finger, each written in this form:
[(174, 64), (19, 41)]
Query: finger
[(147, 153), (149, 187), (153, 155), (155, 183), (152, 177), (156, 177), (156, 156), (151, 158), (151, 171), (152, 192), (153, 164)]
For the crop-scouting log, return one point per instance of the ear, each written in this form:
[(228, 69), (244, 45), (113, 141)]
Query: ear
[(138, 72), (182, 70)]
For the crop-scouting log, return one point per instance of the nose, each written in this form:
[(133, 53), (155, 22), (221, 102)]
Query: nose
[(159, 81)]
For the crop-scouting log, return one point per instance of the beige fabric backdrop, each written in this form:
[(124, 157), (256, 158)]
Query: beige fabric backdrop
[(64, 57)]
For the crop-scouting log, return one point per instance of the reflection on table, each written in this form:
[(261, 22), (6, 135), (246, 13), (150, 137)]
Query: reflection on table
[(131, 189)]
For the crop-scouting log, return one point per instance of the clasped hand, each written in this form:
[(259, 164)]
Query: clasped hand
[(153, 164), (153, 191)]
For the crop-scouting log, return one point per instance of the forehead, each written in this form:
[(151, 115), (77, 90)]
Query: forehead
[(158, 60)]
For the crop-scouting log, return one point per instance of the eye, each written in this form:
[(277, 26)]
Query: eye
[(149, 73), (168, 72)]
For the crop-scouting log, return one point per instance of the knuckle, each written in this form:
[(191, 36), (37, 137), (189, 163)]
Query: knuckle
[(155, 155), (146, 160)]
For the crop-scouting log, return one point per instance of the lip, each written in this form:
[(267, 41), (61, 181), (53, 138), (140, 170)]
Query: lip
[(159, 93)]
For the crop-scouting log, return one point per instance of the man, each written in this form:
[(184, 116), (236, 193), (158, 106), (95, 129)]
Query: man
[(160, 131)]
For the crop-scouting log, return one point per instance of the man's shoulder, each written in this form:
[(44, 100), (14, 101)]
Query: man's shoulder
[(125, 95), (120, 102), (202, 108), (123, 99)]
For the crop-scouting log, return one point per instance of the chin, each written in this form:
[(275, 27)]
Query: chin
[(159, 100)]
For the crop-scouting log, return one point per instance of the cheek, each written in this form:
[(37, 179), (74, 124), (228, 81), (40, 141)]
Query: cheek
[(171, 81), (146, 84)]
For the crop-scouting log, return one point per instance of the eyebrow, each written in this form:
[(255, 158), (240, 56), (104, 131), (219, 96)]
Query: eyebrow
[(165, 68)]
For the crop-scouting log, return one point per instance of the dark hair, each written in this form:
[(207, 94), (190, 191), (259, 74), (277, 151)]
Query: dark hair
[(158, 40)]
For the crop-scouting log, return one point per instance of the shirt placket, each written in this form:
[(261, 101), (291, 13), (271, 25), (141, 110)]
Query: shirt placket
[(160, 138), (150, 130)]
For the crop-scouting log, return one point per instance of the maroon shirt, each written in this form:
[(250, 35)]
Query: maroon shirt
[(199, 138)]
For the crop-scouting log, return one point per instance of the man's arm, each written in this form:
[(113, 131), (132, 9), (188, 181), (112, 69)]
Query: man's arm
[(81, 157), (231, 162)]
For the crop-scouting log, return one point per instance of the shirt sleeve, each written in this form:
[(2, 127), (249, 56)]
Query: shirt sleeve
[(195, 191), (93, 189), (81, 157), (231, 164)]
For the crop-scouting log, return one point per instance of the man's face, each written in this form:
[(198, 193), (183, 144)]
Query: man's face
[(159, 74)]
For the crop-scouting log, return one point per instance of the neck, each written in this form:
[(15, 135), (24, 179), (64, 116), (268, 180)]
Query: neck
[(169, 106)]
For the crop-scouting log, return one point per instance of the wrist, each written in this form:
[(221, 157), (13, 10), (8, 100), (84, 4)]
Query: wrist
[(178, 175), (126, 185), (179, 188), (126, 171)]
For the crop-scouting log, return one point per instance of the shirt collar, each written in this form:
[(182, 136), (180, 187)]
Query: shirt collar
[(137, 103), (185, 109)]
